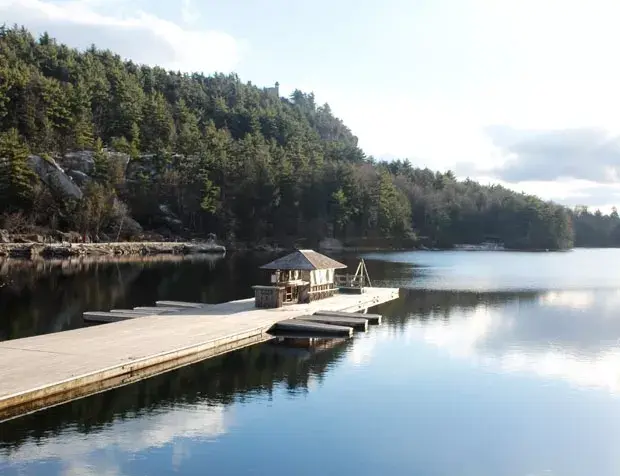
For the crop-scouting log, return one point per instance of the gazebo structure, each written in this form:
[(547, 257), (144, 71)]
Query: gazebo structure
[(300, 277)]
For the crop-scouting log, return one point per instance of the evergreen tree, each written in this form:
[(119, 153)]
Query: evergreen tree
[(188, 136), (17, 180), (157, 131), (82, 117), (101, 164)]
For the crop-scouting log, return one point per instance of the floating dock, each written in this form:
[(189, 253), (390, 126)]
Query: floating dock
[(356, 323), (371, 318), (46, 370), (303, 327), (103, 317)]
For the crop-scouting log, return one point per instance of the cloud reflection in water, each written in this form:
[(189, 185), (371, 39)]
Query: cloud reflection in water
[(77, 452), (572, 335)]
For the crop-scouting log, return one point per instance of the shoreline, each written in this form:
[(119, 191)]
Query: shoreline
[(126, 248), (55, 251)]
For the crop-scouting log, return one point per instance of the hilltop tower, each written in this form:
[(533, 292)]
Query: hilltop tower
[(274, 90)]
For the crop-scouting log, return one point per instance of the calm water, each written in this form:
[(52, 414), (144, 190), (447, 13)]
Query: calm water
[(489, 364)]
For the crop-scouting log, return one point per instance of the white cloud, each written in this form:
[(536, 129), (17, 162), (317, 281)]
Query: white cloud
[(130, 32), (544, 155), (471, 64)]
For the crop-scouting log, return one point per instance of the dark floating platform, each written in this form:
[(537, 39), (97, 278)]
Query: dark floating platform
[(356, 323), (371, 318), (315, 328)]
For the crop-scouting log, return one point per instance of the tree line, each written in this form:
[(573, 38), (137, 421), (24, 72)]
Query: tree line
[(227, 157), (595, 229)]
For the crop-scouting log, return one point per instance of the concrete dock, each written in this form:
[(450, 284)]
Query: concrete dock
[(46, 370)]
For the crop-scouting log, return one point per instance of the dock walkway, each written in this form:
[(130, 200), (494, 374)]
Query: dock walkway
[(44, 370)]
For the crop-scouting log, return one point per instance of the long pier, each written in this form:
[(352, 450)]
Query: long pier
[(42, 371)]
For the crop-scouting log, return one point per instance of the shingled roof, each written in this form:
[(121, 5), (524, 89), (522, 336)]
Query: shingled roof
[(304, 260)]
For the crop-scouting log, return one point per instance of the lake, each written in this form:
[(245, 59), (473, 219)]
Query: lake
[(490, 363)]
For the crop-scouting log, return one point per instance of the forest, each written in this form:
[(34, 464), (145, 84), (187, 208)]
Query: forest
[(186, 154)]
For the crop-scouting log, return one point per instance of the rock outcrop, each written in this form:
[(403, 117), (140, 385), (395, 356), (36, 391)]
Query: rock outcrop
[(79, 177), (66, 176), (54, 177), (79, 160), (80, 164)]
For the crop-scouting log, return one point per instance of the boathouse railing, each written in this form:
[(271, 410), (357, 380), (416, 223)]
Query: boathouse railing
[(321, 292)]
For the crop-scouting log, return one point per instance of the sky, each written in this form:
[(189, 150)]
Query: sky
[(522, 93)]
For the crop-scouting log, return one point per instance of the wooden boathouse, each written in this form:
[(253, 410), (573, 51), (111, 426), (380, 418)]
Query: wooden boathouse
[(298, 278)]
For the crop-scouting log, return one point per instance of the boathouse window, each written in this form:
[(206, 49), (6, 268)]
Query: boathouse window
[(321, 276)]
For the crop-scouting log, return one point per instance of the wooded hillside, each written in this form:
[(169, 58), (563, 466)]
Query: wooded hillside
[(196, 154)]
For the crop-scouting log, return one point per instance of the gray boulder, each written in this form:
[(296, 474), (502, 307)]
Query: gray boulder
[(80, 178), (80, 164), (54, 177), (4, 236), (79, 160)]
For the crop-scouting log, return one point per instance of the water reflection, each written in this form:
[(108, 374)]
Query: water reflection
[(208, 386), (494, 271), (135, 434), (385, 383), (171, 412), (503, 382), (509, 331), (571, 335), (40, 297)]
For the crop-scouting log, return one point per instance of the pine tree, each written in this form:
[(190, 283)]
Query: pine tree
[(134, 140), (210, 196), (17, 180), (82, 117), (126, 102), (341, 210), (188, 136), (393, 211), (158, 130), (101, 170)]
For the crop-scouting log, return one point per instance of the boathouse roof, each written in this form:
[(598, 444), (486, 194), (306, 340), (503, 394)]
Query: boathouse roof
[(306, 260)]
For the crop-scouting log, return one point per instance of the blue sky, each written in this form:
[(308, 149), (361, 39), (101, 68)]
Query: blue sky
[(523, 93)]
